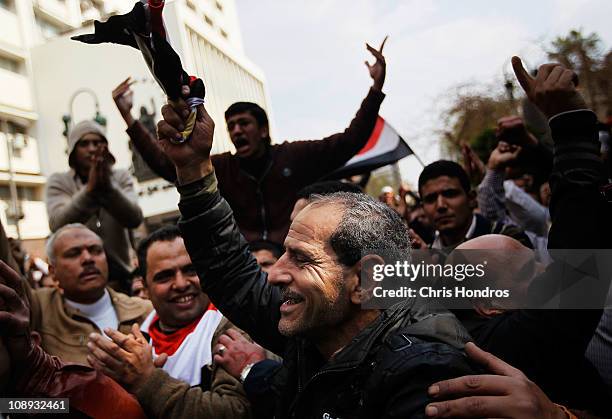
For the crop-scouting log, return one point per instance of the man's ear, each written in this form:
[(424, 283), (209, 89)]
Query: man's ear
[(36, 338), (362, 278), (52, 271), (264, 131)]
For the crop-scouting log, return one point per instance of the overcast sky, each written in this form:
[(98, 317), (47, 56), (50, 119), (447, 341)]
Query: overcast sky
[(312, 54)]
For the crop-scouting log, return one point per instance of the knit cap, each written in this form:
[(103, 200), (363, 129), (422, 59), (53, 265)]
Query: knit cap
[(81, 129)]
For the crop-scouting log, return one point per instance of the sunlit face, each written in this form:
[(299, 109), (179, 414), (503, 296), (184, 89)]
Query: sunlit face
[(173, 285), (265, 259), (246, 134), (85, 149), (315, 297), (446, 204), (80, 265)]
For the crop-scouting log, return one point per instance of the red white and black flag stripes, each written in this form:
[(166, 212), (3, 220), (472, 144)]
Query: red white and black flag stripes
[(385, 146)]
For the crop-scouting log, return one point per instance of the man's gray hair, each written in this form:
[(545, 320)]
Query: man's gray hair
[(50, 246), (367, 225)]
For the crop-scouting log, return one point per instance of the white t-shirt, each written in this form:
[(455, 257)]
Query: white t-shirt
[(101, 313)]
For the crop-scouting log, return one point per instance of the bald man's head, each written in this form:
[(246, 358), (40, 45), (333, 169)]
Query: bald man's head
[(509, 265), (492, 242)]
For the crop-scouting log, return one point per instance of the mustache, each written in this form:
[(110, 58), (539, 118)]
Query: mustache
[(90, 270), (286, 293)]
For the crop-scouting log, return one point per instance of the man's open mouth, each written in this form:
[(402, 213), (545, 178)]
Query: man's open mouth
[(290, 298), (183, 299), (240, 142)]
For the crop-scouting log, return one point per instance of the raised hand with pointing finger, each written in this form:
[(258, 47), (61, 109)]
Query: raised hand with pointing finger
[(553, 90), (378, 70), (124, 99)]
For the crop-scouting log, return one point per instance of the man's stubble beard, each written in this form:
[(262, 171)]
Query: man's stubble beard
[(315, 325)]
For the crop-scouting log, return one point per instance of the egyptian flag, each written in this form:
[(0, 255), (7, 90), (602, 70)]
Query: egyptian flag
[(143, 28), (385, 146)]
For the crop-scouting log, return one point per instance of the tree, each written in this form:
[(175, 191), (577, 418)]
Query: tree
[(472, 113), (472, 110), (584, 55)]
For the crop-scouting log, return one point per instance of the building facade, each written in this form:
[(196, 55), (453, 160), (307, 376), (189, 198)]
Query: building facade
[(47, 79)]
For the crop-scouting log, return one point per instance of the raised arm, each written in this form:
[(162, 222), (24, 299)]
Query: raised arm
[(491, 194), (335, 150), (143, 140), (577, 170), (228, 273)]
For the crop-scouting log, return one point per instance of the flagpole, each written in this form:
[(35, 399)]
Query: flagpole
[(418, 158)]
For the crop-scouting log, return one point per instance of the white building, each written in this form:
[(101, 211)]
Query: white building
[(42, 72)]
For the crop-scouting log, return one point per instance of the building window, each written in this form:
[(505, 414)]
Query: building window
[(219, 6), (208, 20), (223, 33), (191, 5), (10, 64)]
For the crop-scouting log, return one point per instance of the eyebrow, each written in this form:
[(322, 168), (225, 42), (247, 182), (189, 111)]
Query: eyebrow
[(451, 189), (81, 247), (297, 252), (171, 271)]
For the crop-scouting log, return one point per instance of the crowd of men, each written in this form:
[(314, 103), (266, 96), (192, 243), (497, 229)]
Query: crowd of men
[(254, 304)]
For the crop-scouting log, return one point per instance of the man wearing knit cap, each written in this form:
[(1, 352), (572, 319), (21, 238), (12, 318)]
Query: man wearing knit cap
[(95, 194)]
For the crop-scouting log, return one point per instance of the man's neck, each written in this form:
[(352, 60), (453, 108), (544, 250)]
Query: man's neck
[(165, 329), (79, 299), (338, 338), (256, 164), (454, 237)]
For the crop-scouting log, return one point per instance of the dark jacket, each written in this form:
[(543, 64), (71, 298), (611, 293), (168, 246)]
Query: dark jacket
[(485, 226), (383, 372), (262, 204), (548, 345)]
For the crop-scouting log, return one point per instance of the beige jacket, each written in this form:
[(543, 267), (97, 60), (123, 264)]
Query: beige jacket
[(65, 333), (110, 214), (165, 397)]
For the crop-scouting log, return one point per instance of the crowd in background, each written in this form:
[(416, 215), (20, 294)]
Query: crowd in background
[(162, 328)]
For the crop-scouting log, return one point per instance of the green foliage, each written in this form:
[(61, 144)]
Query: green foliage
[(584, 55)]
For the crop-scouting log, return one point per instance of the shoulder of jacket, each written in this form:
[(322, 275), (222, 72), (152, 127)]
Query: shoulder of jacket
[(46, 295), (59, 178), (401, 353), (135, 306)]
